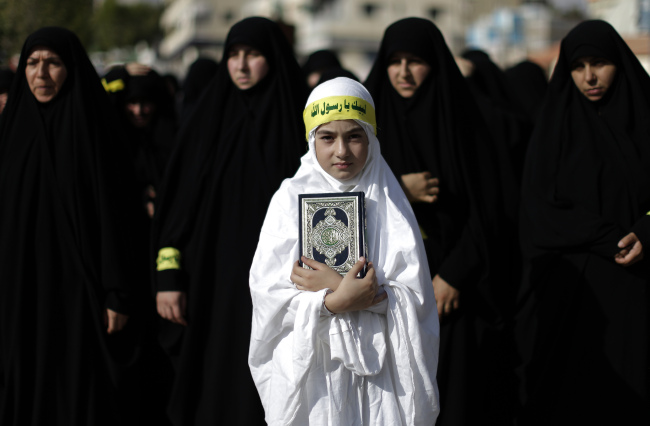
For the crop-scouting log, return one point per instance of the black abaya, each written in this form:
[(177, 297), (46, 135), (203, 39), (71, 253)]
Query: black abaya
[(64, 249), (440, 130), (233, 153), (583, 326)]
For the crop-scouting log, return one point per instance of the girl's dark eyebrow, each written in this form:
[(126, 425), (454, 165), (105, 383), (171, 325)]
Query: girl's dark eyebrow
[(329, 132)]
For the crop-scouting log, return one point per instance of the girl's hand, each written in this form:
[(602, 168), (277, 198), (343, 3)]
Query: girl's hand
[(355, 294), (319, 277)]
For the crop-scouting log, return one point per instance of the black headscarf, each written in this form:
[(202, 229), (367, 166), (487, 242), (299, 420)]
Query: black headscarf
[(201, 72), (333, 73), (440, 130), (232, 155), (431, 132), (586, 184), (149, 147), (587, 175), (63, 221), (529, 83), (507, 121), (320, 60)]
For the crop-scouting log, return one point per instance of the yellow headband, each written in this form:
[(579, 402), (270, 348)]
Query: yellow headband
[(338, 108)]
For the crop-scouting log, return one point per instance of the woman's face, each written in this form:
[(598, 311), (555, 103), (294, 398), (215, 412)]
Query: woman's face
[(140, 112), (341, 148), (593, 76), (45, 73), (246, 65), (406, 72)]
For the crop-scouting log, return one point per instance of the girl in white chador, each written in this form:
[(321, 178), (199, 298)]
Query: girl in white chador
[(333, 350)]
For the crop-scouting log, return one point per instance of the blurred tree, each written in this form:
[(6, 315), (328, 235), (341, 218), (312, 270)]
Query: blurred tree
[(19, 18), (120, 25), (105, 26)]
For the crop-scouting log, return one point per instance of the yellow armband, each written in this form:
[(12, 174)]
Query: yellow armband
[(424, 234), (168, 258), (113, 86)]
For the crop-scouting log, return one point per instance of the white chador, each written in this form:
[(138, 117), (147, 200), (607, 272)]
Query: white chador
[(369, 367)]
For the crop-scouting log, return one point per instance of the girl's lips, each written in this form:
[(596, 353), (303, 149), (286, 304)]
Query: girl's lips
[(342, 165)]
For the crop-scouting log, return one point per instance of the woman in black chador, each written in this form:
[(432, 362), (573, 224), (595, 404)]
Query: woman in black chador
[(245, 137), (583, 327), (65, 276), (529, 83), (440, 143), (507, 120)]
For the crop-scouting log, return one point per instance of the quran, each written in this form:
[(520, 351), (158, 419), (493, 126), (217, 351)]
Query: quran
[(332, 229)]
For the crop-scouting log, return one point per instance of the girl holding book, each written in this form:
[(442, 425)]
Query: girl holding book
[(327, 349)]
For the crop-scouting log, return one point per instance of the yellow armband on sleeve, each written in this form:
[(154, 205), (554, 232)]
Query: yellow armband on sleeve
[(424, 234), (168, 258)]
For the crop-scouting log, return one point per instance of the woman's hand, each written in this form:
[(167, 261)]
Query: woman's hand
[(172, 305), (319, 277), (447, 297), (134, 68), (114, 321), (355, 294), (420, 187), (631, 250), (149, 196)]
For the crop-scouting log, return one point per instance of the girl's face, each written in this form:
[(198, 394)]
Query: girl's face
[(246, 66), (341, 148), (593, 76), (406, 72)]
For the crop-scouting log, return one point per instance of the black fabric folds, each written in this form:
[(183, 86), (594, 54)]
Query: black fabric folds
[(508, 123), (233, 153), (6, 77), (440, 130), (583, 324), (333, 73), (529, 83), (319, 61), (64, 221), (201, 72)]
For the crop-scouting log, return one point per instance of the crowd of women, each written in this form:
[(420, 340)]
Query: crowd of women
[(507, 220)]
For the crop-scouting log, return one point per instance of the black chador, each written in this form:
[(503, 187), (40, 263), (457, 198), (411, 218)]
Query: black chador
[(439, 129), (66, 200), (232, 155), (583, 327)]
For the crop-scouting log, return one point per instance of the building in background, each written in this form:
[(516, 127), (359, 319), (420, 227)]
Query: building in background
[(353, 28), (531, 30), (631, 18), (193, 28), (509, 30)]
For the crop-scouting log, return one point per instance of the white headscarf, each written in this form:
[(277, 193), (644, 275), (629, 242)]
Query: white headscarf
[(359, 367)]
